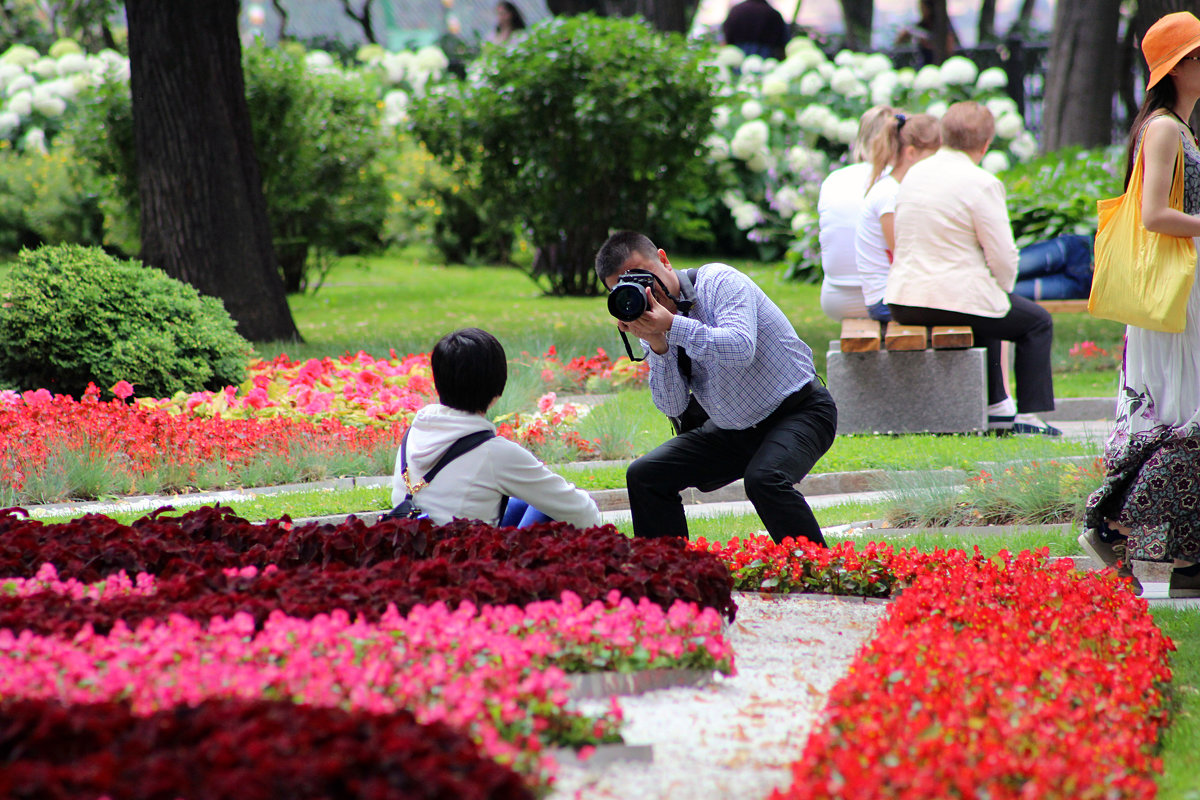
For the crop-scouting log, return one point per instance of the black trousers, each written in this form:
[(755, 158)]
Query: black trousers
[(771, 457), (1027, 325)]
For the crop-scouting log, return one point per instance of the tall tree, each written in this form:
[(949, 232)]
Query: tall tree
[(362, 17), (204, 219), (987, 22), (859, 17), (281, 31), (1020, 26), (1081, 76)]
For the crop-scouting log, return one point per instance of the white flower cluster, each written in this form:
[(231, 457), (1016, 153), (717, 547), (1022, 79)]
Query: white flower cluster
[(408, 73), (784, 124), (36, 89)]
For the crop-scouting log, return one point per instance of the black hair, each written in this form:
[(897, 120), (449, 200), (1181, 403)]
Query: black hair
[(518, 21), (1161, 95), (469, 369), (618, 248)]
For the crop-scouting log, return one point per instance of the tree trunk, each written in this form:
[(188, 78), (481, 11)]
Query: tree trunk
[(859, 17), (363, 18), (1020, 26), (941, 44), (281, 32), (204, 218), (1081, 77), (987, 21)]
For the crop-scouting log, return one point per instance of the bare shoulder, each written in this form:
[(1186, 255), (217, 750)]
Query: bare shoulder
[(1161, 131)]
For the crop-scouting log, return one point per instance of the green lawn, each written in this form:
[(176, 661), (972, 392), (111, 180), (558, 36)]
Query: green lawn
[(1181, 742), (405, 302)]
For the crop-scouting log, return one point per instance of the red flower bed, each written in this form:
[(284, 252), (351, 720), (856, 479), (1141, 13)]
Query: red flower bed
[(758, 564), (997, 680), (132, 440), (225, 749), (354, 567)]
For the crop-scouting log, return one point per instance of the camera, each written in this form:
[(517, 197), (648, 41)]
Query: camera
[(627, 299)]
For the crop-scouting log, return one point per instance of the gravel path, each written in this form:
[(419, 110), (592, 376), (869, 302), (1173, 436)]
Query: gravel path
[(737, 737)]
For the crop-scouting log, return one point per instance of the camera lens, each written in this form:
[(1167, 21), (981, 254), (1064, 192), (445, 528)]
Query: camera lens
[(627, 301)]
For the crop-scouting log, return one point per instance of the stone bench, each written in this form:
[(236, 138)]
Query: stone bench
[(889, 378)]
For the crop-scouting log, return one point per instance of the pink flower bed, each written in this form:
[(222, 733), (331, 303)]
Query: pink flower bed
[(489, 671), (1004, 681)]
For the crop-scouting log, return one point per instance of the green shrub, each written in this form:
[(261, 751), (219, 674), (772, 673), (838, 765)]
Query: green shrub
[(1056, 194), (45, 199), (317, 137), (583, 126), (100, 130), (72, 315)]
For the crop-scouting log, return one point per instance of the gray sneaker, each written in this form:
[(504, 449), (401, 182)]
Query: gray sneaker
[(1183, 585), (1111, 554)]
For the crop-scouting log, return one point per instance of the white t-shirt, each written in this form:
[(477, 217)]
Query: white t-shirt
[(838, 206), (870, 246)]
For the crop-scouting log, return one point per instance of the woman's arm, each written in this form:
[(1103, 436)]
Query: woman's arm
[(1160, 148), (888, 223)]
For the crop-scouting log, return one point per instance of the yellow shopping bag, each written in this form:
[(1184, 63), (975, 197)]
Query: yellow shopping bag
[(1141, 278)]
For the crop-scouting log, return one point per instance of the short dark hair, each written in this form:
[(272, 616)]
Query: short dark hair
[(469, 369), (618, 248)]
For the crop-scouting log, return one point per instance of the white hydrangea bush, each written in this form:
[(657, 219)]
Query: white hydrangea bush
[(786, 124), (36, 90)]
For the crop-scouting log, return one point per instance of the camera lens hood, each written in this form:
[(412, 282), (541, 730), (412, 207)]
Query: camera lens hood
[(627, 301)]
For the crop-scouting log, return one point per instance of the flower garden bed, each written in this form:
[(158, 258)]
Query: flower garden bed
[(988, 679), (465, 624), (289, 420), (1006, 672)]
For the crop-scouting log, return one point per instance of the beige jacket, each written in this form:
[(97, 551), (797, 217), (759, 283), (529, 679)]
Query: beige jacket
[(954, 244)]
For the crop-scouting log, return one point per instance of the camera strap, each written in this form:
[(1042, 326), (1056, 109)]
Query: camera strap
[(687, 290)]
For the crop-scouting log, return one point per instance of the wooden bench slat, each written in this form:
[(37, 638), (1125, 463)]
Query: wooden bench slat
[(951, 337), (1064, 306), (904, 337), (860, 336)]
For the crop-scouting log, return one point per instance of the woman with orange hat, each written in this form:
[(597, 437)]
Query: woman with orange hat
[(1148, 506)]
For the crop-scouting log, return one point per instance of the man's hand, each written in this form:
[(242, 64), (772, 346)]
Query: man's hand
[(651, 326)]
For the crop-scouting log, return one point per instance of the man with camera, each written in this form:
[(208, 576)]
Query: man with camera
[(727, 366)]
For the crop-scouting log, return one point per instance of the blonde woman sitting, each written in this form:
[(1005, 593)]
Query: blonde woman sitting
[(902, 142)]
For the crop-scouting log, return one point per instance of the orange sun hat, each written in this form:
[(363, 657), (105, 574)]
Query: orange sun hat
[(1168, 41)]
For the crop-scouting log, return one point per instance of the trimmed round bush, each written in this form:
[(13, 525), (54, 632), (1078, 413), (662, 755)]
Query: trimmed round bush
[(71, 315)]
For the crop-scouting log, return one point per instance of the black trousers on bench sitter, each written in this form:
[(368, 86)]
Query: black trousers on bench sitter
[(1027, 325)]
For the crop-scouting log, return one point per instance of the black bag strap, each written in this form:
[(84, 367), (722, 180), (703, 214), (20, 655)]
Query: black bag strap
[(460, 447), (687, 299)]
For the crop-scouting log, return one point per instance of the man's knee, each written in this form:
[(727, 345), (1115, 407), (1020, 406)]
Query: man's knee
[(641, 472), (761, 480)]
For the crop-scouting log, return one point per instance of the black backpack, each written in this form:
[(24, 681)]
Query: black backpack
[(408, 508)]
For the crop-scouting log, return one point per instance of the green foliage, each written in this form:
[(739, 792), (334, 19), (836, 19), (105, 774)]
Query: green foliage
[(1057, 193), (41, 23), (317, 137), (44, 199), (72, 315), (585, 125), (318, 140), (101, 132), (1036, 492)]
